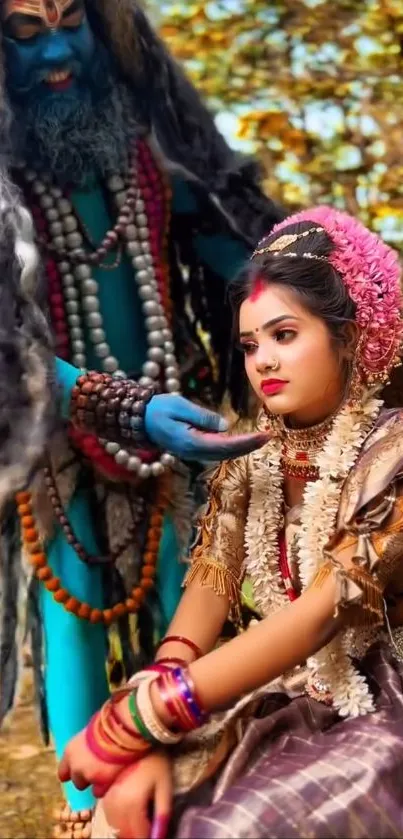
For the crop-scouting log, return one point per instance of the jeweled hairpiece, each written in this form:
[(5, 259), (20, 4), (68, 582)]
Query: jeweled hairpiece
[(277, 247), (370, 271)]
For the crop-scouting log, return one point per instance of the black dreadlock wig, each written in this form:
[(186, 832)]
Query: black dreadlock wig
[(27, 405)]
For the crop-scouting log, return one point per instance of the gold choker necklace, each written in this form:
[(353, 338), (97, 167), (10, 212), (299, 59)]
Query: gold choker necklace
[(301, 447)]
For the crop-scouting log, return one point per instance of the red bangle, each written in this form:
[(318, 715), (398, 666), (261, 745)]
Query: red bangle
[(169, 696), (95, 747), (179, 639), (180, 662), (121, 723)]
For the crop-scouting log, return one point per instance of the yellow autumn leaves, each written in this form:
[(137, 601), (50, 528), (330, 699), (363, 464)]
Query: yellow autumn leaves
[(317, 89)]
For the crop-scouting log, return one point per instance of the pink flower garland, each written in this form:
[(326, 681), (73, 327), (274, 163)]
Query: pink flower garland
[(371, 272)]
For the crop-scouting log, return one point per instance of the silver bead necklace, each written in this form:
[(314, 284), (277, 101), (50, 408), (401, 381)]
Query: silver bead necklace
[(80, 291)]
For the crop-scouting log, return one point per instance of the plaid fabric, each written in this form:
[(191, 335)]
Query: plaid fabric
[(301, 771)]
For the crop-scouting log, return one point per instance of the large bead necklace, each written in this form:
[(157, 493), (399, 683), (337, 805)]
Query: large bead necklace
[(141, 228), (301, 447), (35, 551)]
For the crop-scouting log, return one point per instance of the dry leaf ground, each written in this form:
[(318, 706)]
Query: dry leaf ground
[(29, 791)]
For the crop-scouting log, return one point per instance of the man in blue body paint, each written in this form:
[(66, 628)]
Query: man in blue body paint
[(142, 214)]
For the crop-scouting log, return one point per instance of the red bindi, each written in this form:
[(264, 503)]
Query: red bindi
[(258, 287)]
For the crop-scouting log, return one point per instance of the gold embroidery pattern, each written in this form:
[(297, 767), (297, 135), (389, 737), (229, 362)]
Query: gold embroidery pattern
[(381, 539), (213, 574), (377, 550), (217, 558), (322, 575), (378, 466), (371, 610)]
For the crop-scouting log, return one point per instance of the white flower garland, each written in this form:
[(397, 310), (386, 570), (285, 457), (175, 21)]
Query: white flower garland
[(320, 506)]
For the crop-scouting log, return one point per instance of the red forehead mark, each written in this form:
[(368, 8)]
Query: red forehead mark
[(258, 287)]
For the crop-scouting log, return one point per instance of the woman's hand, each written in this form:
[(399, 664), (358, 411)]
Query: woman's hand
[(80, 766), (127, 803)]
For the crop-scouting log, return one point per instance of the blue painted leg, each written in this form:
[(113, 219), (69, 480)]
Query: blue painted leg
[(75, 650)]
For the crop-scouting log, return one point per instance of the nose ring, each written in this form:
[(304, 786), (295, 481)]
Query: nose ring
[(275, 364)]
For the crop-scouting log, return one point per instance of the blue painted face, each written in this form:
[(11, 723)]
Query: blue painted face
[(44, 62), (68, 116)]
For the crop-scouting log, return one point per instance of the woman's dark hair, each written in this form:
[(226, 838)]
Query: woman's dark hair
[(315, 281)]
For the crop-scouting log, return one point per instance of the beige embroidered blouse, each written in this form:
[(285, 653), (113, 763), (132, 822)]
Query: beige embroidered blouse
[(369, 530)]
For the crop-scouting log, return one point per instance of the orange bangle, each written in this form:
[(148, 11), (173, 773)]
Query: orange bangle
[(117, 735)]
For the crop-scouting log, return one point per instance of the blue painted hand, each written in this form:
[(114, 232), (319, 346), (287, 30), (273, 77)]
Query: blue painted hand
[(192, 433)]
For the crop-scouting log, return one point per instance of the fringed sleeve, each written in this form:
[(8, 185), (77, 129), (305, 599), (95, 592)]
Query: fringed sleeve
[(218, 556)]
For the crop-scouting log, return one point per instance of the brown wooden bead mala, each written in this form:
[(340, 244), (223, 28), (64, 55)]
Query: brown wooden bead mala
[(112, 408), (60, 514), (72, 824), (34, 548)]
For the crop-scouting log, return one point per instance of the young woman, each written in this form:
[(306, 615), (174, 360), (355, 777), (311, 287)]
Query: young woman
[(292, 728)]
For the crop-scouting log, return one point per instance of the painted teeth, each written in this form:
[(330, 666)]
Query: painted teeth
[(58, 76)]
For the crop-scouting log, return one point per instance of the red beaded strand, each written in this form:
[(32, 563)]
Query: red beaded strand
[(55, 295), (284, 569), (157, 197)]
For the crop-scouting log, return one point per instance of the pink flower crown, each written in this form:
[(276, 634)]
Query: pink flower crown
[(371, 273)]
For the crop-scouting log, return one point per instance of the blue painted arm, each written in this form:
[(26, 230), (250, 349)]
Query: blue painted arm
[(174, 424), (66, 376), (194, 433)]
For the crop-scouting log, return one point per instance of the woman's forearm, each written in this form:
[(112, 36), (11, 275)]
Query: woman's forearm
[(200, 617), (267, 650)]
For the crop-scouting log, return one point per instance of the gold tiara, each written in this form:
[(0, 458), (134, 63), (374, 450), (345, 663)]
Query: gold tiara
[(277, 247)]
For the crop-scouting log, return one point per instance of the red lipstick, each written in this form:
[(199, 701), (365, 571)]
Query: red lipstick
[(272, 386)]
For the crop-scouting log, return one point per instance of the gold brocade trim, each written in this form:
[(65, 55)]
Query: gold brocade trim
[(370, 610), (322, 575), (212, 574), (214, 507), (380, 539)]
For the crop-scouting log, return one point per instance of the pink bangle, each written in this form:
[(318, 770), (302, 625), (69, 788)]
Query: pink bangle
[(98, 752), (178, 710), (178, 662), (165, 698)]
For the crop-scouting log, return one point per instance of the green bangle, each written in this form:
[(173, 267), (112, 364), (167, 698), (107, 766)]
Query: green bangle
[(138, 722)]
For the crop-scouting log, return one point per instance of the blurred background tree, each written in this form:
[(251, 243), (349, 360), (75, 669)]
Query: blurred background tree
[(314, 86)]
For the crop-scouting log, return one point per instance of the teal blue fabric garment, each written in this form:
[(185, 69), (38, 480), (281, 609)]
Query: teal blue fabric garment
[(225, 255), (75, 650), (76, 683), (120, 304), (66, 376)]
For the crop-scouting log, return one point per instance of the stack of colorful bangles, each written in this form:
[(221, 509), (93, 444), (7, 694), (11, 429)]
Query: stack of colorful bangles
[(109, 737)]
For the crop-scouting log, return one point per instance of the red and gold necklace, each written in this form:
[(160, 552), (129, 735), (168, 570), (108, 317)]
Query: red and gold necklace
[(301, 447)]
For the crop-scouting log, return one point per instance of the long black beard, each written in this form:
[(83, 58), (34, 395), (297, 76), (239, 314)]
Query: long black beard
[(74, 139)]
